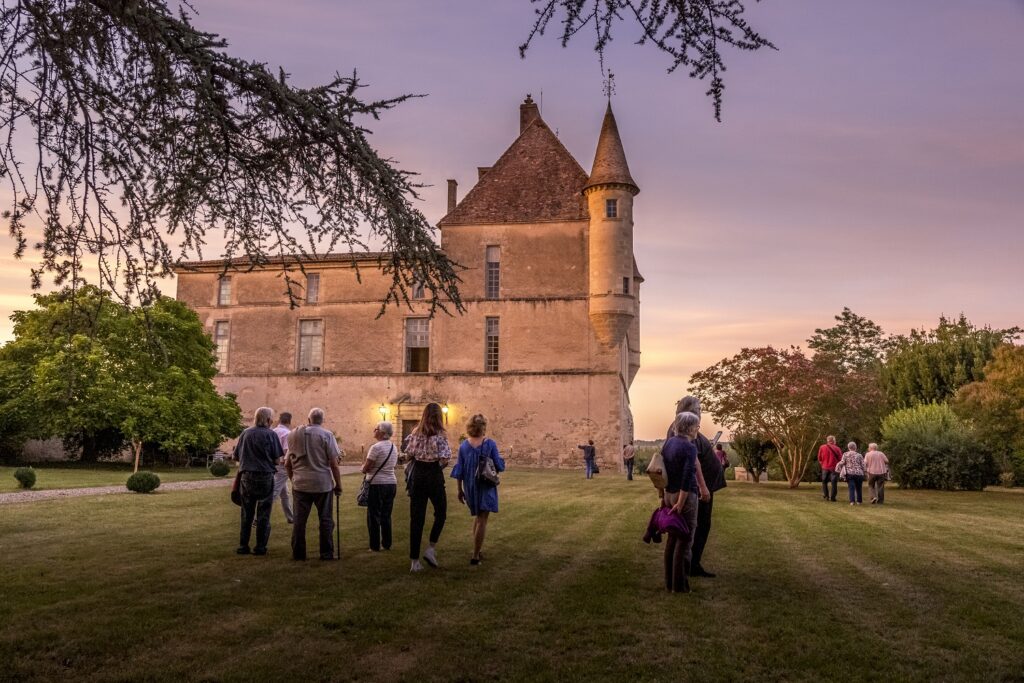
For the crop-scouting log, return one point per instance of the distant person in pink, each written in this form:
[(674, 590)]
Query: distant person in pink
[(877, 466)]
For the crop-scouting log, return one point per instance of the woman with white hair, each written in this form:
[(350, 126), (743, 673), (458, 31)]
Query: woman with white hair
[(681, 493), (379, 471), (853, 463), (258, 450)]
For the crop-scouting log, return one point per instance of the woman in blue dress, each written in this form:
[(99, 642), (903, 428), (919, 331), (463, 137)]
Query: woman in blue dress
[(476, 492)]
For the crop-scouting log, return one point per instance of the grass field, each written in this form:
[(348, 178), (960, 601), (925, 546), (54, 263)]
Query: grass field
[(928, 587), (63, 476)]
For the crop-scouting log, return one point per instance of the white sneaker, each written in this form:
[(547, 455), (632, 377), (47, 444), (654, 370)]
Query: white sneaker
[(430, 557), (416, 566)]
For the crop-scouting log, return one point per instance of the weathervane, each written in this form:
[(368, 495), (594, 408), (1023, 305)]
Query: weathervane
[(609, 85)]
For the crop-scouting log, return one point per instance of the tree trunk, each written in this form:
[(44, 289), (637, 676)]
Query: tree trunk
[(137, 447), (90, 448)]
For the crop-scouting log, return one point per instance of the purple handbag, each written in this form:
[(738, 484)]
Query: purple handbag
[(667, 521)]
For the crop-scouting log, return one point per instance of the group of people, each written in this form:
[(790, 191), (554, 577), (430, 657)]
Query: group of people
[(853, 467), (308, 457)]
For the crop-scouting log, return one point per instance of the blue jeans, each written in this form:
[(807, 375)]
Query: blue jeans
[(855, 482), (590, 468), (629, 469), (257, 490)]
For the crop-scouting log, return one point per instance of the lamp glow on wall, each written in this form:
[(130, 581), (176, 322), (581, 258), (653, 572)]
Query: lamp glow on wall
[(444, 411), (383, 410)]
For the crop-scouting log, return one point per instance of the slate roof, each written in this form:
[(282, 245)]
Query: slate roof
[(610, 167), (535, 180)]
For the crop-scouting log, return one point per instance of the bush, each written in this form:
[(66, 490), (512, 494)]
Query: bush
[(1006, 479), (143, 482), (219, 468), (26, 476), (929, 447)]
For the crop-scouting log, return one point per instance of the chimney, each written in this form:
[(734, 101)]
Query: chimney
[(528, 111), (453, 190), (481, 172)]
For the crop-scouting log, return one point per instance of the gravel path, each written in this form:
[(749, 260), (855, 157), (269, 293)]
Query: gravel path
[(49, 494)]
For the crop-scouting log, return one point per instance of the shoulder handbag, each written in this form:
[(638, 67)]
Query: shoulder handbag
[(486, 471), (656, 471), (363, 497), (842, 473)]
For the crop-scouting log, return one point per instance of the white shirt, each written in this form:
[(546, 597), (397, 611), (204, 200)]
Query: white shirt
[(382, 452)]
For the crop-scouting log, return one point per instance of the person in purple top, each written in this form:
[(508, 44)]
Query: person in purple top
[(681, 494)]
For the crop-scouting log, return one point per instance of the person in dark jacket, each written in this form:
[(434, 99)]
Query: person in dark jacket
[(711, 478), (258, 450), (680, 497)]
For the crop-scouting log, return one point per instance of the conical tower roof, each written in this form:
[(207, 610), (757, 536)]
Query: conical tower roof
[(610, 167)]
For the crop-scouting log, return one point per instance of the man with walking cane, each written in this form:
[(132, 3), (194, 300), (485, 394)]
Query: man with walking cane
[(313, 469)]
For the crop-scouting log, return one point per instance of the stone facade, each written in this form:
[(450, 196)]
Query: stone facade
[(567, 340)]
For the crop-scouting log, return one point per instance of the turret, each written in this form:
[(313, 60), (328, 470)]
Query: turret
[(609, 192)]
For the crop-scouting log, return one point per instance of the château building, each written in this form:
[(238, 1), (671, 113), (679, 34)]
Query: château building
[(547, 347)]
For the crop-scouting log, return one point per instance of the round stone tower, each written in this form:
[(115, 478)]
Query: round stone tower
[(609, 192)]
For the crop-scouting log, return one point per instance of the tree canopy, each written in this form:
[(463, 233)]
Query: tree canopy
[(930, 365), (855, 342), (131, 137), (95, 372), (780, 393)]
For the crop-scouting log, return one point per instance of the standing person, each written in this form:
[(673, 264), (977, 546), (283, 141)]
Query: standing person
[(681, 493), (854, 464), (722, 457), (477, 493), (877, 466), (258, 450), (828, 457), (710, 478), (428, 450), (283, 429), (589, 455), (379, 471), (313, 468), (628, 454)]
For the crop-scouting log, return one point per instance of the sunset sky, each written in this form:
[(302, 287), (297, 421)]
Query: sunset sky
[(875, 161)]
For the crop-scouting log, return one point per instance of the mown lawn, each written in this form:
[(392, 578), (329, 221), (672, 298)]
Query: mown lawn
[(72, 477), (130, 587)]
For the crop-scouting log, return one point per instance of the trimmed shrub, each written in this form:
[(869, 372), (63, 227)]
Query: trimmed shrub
[(1006, 479), (143, 482), (930, 447), (26, 477), (219, 468)]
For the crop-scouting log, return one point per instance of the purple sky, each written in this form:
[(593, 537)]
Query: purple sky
[(875, 161)]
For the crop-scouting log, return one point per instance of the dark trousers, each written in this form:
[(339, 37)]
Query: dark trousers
[(378, 514), (700, 536), (629, 469), (304, 503), (854, 482), (257, 491), (829, 477), (876, 484), (427, 484)]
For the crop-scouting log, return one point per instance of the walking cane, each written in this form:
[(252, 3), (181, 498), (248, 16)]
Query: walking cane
[(337, 522)]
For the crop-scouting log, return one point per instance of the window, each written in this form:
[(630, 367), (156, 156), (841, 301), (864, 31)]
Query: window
[(611, 208), (417, 344), (311, 345), (224, 292), (491, 345), (625, 285), (492, 273), (221, 333), (312, 288), (417, 289)]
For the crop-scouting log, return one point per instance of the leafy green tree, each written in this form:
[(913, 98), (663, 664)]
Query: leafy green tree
[(855, 342), (780, 393), (930, 447), (930, 366), (996, 406), (83, 367), (756, 452)]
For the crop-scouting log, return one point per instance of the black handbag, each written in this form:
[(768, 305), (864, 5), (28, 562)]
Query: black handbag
[(486, 471), (363, 497)]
